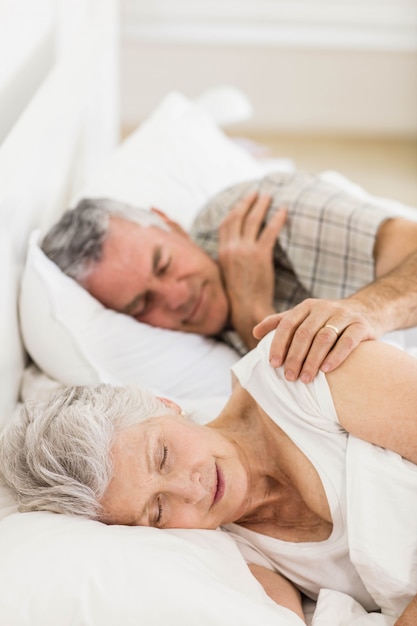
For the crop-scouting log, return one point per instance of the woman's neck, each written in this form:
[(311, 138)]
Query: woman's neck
[(255, 437), (285, 496)]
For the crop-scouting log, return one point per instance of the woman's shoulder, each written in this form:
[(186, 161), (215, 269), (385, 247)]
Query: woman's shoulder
[(298, 401)]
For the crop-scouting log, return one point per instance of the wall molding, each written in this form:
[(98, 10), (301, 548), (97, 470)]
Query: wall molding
[(386, 25)]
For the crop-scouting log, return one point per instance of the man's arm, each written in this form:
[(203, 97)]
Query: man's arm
[(303, 342)]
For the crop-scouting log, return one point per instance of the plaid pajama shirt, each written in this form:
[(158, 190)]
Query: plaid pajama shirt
[(325, 249)]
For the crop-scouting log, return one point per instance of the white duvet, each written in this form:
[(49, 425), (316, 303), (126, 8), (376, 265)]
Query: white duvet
[(382, 523), (382, 527)]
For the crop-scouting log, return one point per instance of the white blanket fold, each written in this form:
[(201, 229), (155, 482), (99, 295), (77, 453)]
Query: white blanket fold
[(382, 523)]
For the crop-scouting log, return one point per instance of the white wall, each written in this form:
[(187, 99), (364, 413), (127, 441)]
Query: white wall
[(308, 66)]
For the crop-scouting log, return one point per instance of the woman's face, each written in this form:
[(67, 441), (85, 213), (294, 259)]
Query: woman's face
[(172, 473)]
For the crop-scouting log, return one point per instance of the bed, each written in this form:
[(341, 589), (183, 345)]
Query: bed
[(60, 570)]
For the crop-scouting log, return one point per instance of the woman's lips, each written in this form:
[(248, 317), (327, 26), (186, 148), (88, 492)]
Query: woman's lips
[(218, 495)]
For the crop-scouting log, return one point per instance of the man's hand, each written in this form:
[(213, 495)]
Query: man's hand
[(246, 260), (318, 334)]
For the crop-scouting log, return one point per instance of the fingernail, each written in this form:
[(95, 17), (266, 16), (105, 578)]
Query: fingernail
[(289, 375), (275, 362), (325, 367), (305, 378)]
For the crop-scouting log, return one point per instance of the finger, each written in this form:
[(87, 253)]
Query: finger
[(291, 335), (266, 325), (255, 217), (297, 349), (231, 226), (350, 340), (322, 345), (310, 338), (272, 230)]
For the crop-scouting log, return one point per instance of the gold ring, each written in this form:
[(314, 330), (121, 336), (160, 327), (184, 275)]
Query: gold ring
[(336, 330)]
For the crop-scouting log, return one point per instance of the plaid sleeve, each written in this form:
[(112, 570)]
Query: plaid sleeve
[(330, 234), (327, 242), (325, 249)]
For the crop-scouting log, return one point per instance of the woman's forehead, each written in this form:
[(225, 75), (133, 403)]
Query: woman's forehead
[(139, 430)]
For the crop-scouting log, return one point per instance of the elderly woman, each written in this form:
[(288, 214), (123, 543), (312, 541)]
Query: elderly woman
[(272, 468)]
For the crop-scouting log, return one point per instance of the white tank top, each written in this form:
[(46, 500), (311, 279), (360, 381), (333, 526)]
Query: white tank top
[(308, 416)]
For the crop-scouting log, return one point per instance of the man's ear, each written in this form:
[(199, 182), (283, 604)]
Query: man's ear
[(169, 222)]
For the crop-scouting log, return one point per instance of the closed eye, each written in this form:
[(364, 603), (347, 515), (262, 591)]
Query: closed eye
[(145, 305), (163, 268), (159, 519), (139, 305), (161, 260), (164, 457)]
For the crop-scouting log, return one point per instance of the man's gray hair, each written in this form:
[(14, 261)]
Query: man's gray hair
[(75, 242), (56, 454)]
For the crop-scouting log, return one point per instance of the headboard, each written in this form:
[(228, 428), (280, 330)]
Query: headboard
[(68, 126)]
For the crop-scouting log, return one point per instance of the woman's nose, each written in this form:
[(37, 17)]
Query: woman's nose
[(188, 488)]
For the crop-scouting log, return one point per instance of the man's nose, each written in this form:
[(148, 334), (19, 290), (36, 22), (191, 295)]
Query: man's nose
[(188, 488)]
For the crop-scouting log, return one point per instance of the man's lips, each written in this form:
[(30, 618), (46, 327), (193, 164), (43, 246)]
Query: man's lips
[(220, 486)]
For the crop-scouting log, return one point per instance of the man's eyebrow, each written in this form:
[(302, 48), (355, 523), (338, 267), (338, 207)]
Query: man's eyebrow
[(132, 305)]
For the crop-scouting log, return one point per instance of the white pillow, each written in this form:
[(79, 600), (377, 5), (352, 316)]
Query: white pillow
[(59, 570), (176, 160), (76, 340), (337, 609)]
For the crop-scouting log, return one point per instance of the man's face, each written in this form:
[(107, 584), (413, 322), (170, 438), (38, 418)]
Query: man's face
[(160, 278)]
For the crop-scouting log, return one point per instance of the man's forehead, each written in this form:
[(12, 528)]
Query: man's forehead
[(121, 222), (123, 232)]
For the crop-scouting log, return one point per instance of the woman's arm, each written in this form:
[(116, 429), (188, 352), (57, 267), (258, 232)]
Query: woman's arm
[(375, 395), (409, 617), (279, 589)]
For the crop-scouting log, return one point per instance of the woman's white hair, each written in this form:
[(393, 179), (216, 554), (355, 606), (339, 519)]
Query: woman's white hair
[(56, 454)]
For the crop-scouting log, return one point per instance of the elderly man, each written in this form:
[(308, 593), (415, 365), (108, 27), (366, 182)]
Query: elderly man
[(327, 269)]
